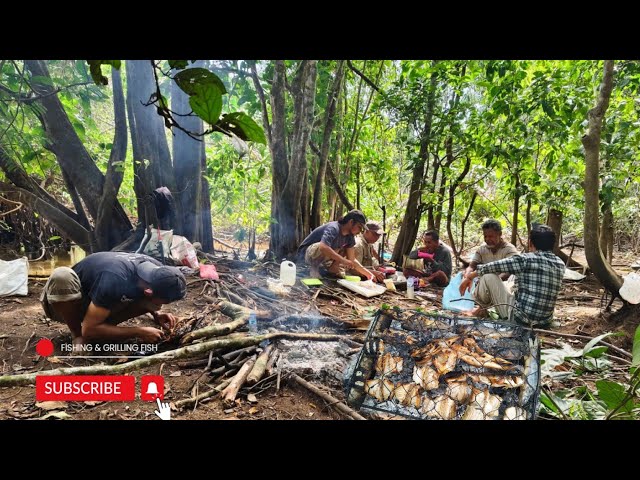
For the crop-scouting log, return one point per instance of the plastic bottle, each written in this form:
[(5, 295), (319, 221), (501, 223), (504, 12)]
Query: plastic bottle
[(253, 323), (410, 290), (288, 272)]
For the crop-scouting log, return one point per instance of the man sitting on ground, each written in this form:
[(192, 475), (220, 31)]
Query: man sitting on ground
[(538, 280), (365, 252), (494, 248), (331, 245), (107, 288), (436, 260)]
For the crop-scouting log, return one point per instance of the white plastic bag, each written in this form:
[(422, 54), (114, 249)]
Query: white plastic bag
[(14, 276), (452, 292), (153, 246), (630, 289), (182, 251)]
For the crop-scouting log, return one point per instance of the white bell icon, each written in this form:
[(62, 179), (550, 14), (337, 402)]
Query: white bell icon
[(152, 389)]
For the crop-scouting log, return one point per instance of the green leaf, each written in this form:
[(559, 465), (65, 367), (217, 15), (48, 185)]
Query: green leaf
[(42, 80), (206, 102), (636, 348), (178, 64), (613, 394), (96, 70), (189, 80), (589, 346), (55, 237), (243, 126)]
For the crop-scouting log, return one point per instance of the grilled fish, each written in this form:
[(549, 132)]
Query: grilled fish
[(459, 390), (379, 388), (408, 394), (387, 364), (498, 381), (440, 407), (483, 405), (514, 413), (426, 377)]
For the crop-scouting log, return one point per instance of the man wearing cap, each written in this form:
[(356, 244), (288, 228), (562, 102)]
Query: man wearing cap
[(365, 251), (331, 245), (107, 288)]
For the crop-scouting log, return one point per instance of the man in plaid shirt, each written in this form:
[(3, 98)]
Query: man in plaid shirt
[(538, 280)]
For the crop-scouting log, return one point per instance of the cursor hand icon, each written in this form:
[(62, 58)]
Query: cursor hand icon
[(164, 411)]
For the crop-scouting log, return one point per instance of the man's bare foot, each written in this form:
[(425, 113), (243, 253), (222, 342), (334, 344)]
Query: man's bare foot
[(478, 312), (77, 347)]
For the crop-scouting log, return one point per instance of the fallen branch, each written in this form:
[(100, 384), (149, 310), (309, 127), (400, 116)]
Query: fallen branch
[(333, 402), (260, 366), (273, 358), (187, 402), (583, 337), (184, 352), (240, 317), (229, 393)]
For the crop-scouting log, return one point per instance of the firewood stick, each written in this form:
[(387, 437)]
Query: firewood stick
[(259, 367), (275, 353), (209, 393), (333, 402), (230, 392)]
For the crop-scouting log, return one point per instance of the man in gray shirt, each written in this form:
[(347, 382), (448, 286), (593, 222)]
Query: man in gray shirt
[(494, 248), (436, 260)]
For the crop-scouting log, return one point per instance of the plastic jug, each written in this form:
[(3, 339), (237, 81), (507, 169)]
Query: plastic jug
[(287, 272)]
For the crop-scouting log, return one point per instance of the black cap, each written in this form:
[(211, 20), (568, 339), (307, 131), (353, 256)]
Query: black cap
[(166, 282)]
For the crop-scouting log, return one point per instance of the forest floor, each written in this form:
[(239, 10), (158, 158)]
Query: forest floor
[(23, 324)]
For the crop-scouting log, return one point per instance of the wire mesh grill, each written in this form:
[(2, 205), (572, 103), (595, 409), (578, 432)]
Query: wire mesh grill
[(426, 366)]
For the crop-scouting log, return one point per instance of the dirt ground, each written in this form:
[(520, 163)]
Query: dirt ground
[(23, 324)]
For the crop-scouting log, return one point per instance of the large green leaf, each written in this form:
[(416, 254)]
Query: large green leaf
[(613, 393), (206, 102), (243, 126), (188, 80), (178, 64), (589, 347), (96, 70)]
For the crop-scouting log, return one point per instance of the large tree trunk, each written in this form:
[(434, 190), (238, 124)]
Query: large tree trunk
[(516, 208), (115, 169), (152, 160), (72, 156), (329, 123), (411, 220), (554, 220), (192, 189), (289, 175), (591, 142)]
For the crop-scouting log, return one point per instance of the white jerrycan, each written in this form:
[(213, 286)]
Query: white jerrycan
[(287, 272)]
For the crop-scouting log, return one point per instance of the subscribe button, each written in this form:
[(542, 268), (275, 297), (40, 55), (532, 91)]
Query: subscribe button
[(107, 388)]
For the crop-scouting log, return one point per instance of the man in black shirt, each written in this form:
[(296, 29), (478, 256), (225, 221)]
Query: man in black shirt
[(107, 288)]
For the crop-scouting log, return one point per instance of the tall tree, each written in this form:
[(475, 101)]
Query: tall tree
[(591, 142)]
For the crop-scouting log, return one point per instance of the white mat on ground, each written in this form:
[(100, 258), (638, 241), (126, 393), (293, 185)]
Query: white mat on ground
[(13, 277)]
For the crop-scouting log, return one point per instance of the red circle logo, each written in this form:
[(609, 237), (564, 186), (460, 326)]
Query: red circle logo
[(44, 347)]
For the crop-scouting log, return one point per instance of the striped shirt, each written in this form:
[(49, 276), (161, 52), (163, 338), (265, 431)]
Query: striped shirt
[(538, 281)]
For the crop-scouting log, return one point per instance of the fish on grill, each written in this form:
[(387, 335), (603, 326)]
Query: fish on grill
[(514, 413), (399, 337), (498, 381), (408, 394), (483, 405), (440, 407), (387, 364), (426, 377), (458, 389), (379, 388)]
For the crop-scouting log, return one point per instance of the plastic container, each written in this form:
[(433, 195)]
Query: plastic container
[(253, 323), (451, 298), (288, 272), (410, 289)]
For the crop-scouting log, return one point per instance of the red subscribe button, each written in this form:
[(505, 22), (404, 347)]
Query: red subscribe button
[(108, 388)]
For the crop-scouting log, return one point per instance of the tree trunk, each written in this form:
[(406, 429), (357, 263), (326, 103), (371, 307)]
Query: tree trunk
[(329, 123), (452, 191), (72, 156), (115, 169), (606, 232), (554, 220), (411, 220), (289, 175), (591, 142), (152, 160), (516, 205)]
